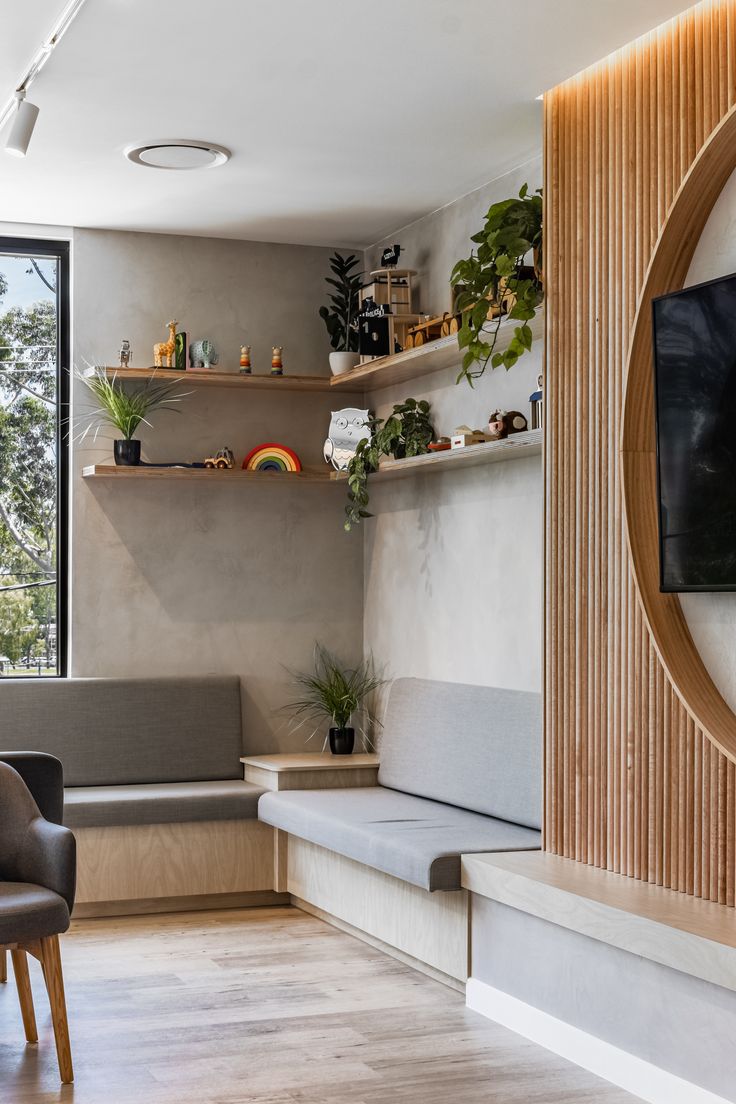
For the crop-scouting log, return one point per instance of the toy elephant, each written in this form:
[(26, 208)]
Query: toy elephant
[(202, 354)]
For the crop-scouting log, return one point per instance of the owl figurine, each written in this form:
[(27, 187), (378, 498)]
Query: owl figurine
[(347, 427)]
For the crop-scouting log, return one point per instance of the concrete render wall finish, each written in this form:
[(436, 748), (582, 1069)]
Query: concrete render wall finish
[(453, 562), (176, 579)]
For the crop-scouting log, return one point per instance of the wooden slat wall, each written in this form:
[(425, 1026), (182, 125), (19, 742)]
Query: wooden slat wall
[(632, 785)]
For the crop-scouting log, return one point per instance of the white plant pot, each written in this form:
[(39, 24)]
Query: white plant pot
[(343, 362)]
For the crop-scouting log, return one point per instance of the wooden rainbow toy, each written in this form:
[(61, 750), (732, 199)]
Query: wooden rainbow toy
[(272, 457)]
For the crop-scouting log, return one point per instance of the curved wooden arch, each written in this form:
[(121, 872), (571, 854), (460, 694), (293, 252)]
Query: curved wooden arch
[(667, 271)]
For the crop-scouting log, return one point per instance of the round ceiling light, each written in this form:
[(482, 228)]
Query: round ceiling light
[(178, 153)]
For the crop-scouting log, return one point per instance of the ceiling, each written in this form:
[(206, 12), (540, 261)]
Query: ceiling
[(346, 119)]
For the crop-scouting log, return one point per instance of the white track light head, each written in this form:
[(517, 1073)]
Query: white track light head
[(21, 127)]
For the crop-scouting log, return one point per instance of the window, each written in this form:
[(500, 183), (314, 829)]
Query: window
[(34, 431)]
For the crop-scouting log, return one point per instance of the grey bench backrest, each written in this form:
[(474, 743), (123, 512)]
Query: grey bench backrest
[(126, 731), (476, 747)]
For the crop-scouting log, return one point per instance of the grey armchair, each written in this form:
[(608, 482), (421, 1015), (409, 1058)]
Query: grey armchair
[(37, 882)]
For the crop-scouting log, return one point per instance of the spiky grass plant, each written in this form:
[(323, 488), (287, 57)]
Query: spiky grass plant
[(336, 694), (125, 409)]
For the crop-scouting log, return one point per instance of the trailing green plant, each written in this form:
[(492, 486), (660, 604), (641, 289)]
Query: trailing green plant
[(335, 693), (124, 408), (513, 229), (341, 316), (407, 431)]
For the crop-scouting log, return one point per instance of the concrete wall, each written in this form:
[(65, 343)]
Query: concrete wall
[(677, 1022), (712, 617), (453, 562), (177, 579)]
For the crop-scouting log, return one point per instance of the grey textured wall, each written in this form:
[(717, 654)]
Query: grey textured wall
[(177, 579), (453, 562), (677, 1022)]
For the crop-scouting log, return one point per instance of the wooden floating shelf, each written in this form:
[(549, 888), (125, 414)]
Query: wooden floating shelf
[(515, 447), (224, 379), (233, 476), (432, 357)]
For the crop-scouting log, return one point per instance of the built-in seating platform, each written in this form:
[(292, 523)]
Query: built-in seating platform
[(633, 981), (460, 771), (154, 785)]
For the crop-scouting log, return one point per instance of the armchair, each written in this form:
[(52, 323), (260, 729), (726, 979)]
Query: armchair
[(37, 882)]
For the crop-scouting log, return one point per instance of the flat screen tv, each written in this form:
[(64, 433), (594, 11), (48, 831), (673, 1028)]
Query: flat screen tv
[(695, 401)]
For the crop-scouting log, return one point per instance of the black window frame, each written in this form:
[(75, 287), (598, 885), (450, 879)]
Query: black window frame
[(59, 250)]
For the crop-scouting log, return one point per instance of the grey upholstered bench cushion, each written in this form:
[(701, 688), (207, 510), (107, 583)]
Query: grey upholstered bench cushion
[(414, 839), (128, 731), (99, 806), (477, 747)]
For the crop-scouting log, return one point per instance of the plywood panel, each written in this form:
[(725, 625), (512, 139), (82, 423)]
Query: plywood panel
[(431, 927), (143, 861), (636, 781)]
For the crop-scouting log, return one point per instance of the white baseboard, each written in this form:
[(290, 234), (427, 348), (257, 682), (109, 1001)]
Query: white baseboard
[(625, 1070)]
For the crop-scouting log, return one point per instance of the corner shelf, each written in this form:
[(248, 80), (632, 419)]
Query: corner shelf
[(432, 357), (224, 379), (519, 445), (233, 476)]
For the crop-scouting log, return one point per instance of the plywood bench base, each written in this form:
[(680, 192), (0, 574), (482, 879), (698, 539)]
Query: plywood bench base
[(431, 928), (149, 863)]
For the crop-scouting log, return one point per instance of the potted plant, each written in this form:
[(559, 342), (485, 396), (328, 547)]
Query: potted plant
[(338, 695), (406, 432), (497, 271), (341, 317), (125, 409)]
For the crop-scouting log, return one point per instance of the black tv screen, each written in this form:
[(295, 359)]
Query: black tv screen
[(695, 397)]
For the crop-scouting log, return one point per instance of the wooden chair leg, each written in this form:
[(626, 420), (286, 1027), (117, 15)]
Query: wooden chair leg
[(51, 962), (25, 994), (3, 966)]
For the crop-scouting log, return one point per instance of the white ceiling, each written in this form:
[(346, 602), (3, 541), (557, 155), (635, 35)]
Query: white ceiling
[(347, 118)]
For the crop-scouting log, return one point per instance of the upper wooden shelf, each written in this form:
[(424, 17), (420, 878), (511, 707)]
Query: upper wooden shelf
[(232, 476), (432, 357), (225, 379)]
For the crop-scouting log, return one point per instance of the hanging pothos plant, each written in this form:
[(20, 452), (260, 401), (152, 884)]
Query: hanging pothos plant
[(406, 432), (496, 271)]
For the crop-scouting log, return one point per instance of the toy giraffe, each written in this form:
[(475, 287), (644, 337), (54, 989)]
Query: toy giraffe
[(165, 349)]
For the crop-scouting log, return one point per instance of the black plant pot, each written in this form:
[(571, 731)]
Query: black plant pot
[(128, 453), (342, 741)]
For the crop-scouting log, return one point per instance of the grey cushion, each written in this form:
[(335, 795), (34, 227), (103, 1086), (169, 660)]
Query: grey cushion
[(476, 747), (124, 731), (171, 802), (30, 912), (414, 839)]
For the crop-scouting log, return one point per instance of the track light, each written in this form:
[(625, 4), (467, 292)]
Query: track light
[(22, 126)]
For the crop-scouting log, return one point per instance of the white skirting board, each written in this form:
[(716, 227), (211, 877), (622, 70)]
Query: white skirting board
[(620, 1068)]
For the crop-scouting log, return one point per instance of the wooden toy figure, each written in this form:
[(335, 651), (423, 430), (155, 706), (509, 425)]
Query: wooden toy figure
[(245, 360), (277, 368), (125, 353), (164, 350)]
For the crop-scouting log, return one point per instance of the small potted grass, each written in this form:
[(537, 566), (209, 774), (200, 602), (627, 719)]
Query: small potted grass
[(125, 409), (339, 696)]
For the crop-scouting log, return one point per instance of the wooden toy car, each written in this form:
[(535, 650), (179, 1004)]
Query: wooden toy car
[(223, 459)]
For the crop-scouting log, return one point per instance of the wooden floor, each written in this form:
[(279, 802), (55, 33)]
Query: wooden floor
[(266, 1006)]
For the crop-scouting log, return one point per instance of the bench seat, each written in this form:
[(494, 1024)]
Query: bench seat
[(417, 840), (165, 803)]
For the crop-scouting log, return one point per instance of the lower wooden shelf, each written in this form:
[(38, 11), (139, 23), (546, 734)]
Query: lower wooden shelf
[(518, 445), (233, 476), (493, 452)]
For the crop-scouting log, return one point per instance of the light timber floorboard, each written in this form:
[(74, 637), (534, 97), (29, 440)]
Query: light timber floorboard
[(267, 1006)]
